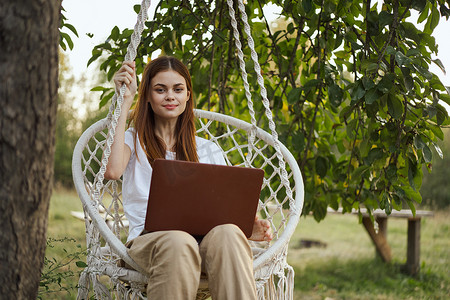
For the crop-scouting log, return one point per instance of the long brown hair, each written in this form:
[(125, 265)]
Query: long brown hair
[(143, 116)]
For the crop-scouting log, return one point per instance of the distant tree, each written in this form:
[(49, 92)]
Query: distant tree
[(436, 184), (67, 127), (349, 85), (70, 122), (28, 93)]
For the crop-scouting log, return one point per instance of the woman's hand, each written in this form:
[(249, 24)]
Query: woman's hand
[(261, 231), (127, 75)]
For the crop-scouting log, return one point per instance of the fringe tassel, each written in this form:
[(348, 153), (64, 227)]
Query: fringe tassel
[(290, 283), (83, 286), (280, 286), (100, 290), (260, 291)]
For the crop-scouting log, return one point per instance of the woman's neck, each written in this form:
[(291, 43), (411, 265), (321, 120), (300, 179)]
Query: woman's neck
[(165, 130)]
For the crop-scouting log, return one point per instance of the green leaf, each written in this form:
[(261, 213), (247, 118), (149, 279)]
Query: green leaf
[(409, 83), (335, 94), (412, 194), (391, 172), (438, 150), (418, 142), (105, 99), (307, 5), (62, 44), (418, 5), (439, 63), (66, 37), (437, 131), (427, 155), (321, 166), (81, 264), (386, 83), (411, 207), (386, 204), (390, 50), (99, 89), (358, 92), (385, 18), (414, 174), (298, 141), (395, 107), (400, 58), (441, 114), (372, 96), (311, 84), (424, 72), (423, 15), (367, 83), (435, 16), (294, 95), (71, 28), (93, 58), (360, 171), (374, 154), (115, 33), (445, 97)]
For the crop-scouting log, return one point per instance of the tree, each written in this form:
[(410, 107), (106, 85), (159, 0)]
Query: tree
[(349, 85), (29, 40), (435, 189), (67, 130)]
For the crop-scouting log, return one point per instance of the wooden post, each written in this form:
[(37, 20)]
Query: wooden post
[(379, 239), (382, 230), (413, 249)]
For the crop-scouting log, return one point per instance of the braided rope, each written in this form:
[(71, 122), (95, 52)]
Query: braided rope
[(263, 92), (248, 95), (116, 106)]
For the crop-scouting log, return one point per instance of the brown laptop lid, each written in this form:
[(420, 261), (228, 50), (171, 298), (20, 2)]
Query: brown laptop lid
[(196, 197)]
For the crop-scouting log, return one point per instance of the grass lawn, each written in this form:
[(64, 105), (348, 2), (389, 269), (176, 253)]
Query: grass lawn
[(346, 268), (67, 240)]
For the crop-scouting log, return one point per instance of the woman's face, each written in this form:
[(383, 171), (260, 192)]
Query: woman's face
[(168, 95)]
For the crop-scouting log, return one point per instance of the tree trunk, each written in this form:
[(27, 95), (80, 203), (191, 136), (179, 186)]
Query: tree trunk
[(29, 40)]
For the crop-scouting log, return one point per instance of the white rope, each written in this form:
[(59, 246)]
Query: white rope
[(113, 116), (263, 92), (248, 95), (115, 112), (116, 106)]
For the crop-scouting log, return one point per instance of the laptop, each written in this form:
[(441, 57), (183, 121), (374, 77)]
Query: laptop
[(196, 197)]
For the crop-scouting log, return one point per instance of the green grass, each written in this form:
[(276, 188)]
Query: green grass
[(345, 269), (66, 242)]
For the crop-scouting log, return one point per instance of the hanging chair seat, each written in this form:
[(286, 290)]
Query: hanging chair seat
[(273, 276)]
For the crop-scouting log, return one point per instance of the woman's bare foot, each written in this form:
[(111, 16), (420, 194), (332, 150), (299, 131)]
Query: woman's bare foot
[(261, 231)]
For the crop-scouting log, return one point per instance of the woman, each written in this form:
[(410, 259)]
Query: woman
[(163, 127)]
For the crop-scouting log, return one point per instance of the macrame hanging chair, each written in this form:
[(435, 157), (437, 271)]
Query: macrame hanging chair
[(243, 144)]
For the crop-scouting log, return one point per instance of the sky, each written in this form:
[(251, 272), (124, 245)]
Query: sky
[(98, 17)]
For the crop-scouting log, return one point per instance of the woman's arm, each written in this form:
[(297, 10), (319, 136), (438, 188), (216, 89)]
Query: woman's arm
[(121, 153)]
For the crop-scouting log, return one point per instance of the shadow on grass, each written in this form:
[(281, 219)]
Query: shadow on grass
[(366, 279)]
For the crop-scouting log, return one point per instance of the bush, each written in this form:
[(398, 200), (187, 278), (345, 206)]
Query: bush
[(56, 271)]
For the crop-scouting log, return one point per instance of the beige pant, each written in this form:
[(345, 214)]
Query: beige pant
[(174, 261)]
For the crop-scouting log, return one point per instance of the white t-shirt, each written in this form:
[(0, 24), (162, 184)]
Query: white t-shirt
[(138, 173)]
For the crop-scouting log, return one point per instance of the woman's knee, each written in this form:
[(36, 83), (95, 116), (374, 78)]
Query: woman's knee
[(175, 240), (226, 235), (225, 243)]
